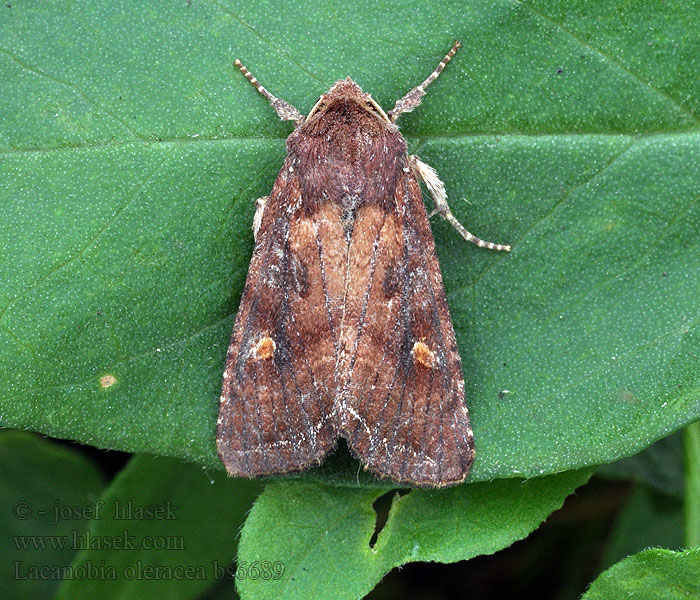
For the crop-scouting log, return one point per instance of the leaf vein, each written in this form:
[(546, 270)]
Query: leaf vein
[(268, 42), (551, 211), (74, 87), (663, 94), (410, 139)]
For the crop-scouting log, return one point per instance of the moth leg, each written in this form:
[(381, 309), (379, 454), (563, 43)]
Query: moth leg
[(413, 98), (439, 196), (284, 110), (260, 204)]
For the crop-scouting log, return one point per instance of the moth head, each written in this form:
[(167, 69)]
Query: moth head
[(346, 91)]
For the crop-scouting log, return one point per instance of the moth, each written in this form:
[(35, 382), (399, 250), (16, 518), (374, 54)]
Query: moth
[(343, 329)]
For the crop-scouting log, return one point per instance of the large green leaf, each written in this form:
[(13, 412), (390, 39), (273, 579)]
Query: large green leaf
[(131, 151), (320, 538), (656, 573)]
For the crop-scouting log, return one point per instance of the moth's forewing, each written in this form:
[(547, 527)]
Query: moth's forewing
[(402, 404), (276, 408)]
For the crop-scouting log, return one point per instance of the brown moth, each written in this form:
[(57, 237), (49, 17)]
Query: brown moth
[(343, 328)]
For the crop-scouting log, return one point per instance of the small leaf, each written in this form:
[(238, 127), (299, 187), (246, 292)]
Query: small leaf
[(319, 536), (655, 573)]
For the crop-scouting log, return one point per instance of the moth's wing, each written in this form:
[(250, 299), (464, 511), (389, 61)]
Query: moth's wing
[(402, 405), (276, 410)]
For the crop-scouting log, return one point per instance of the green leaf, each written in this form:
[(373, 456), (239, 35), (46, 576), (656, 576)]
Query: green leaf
[(131, 152), (319, 536), (46, 494), (656, 573), (167, 529)]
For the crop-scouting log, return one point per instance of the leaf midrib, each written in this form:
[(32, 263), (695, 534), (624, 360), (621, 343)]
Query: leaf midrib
[(411, 139)]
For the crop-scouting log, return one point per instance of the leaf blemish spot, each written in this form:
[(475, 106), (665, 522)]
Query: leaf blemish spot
[(107, 381)]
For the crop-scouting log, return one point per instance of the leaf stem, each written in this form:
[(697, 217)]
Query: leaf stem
[(691, 443)]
